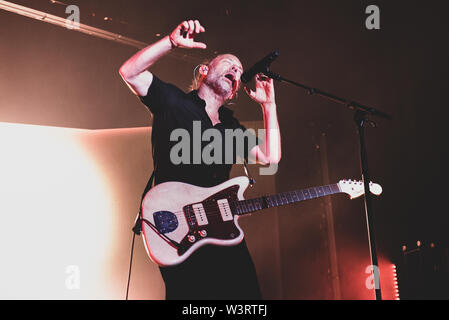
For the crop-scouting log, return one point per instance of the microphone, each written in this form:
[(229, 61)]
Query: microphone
[(259, 67)]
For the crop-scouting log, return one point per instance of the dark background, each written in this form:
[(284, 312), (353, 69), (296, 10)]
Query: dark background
[(52, 76)]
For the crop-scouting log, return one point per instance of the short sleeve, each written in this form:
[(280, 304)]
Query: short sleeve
[(161, 96)]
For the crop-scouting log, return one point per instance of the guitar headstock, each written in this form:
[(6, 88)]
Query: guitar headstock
[(356, 188)]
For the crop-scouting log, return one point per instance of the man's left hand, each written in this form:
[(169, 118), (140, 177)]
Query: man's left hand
[(264, 91)]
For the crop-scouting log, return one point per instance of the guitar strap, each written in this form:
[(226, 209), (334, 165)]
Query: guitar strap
[(248, 174), (137, 229)]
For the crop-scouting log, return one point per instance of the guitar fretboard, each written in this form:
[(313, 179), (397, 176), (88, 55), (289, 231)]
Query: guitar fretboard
[(283, 198)]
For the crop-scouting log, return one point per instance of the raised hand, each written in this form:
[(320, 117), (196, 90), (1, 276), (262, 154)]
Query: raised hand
[(264, 93), (183, 35)]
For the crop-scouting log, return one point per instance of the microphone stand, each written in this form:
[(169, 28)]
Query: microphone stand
[(361, 114)]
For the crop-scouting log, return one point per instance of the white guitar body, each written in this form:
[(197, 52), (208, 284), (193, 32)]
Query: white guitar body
[(173, 197)]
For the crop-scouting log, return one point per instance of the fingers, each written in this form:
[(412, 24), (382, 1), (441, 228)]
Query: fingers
[(200, 27), (199, 45), (185, 32), (197, 26), (184, 26), (262, 77), (189, 27), (262, 81), (250, 92)]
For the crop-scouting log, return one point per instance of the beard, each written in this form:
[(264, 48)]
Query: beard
[(220, 85)]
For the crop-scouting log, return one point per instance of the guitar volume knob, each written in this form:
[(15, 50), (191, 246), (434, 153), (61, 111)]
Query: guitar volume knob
[(191, 238), (203, 233)]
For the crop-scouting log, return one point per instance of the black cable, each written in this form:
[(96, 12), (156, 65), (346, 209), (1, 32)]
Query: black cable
[(137, 229), (130, 265)]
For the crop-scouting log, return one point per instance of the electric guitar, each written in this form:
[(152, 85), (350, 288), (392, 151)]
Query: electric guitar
[(178, 218)]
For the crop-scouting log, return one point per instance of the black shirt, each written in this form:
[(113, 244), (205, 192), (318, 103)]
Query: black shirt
[(174, 109), (212, 272)]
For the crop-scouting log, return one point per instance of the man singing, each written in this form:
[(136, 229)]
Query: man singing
[(212, 272)]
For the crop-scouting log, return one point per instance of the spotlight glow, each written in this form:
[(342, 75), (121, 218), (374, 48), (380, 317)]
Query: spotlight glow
[(55, 215)]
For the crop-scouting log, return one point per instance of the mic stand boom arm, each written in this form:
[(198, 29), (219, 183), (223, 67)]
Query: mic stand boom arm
[(348, 103), (360, 118)]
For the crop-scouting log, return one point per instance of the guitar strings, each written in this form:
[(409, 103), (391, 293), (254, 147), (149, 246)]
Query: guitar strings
[(212, 211), (211, 208)]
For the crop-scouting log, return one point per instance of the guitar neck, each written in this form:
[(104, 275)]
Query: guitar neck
[(247, 206)]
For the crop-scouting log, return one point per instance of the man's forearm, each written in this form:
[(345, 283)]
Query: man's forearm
[(272, 145), (134, 70), (145, 58)]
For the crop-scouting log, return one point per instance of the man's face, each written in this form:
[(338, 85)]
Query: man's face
[(224, 75)]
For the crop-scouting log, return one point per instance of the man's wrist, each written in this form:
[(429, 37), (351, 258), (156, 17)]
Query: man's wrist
[(172, 42), (268, 106)]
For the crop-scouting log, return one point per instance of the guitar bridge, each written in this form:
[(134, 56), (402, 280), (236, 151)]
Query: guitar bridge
[(189, 213)]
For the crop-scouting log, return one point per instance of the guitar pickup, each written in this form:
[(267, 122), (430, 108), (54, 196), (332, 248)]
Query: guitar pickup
[(225, 209), (200, 214)]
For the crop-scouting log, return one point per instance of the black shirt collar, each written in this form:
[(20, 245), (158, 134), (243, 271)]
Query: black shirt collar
[(224, 113)]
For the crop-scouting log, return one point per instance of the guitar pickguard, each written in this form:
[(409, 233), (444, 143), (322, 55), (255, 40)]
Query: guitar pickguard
[(215, 227)]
